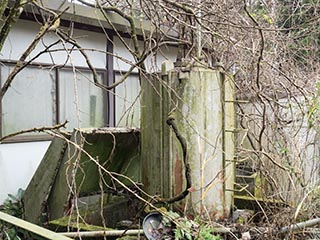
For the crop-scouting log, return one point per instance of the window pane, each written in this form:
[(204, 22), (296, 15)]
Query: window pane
[(128, 102), (29, 102), (81, 102)]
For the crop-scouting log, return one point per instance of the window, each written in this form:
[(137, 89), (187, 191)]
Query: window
[(44, 96), (127, 101), (81, 102), (29, 102)]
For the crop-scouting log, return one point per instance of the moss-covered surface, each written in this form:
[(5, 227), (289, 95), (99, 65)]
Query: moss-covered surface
[(70, 222), (88, 215), (117, 151), (195, 99), (41, 183), (247, 202)]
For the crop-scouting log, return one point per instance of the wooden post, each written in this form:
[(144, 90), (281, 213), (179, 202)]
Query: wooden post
[(155, 133)]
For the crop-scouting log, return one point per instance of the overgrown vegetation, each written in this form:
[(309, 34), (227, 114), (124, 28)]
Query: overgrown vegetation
[(13, 205), (272, 50), (184, 228)]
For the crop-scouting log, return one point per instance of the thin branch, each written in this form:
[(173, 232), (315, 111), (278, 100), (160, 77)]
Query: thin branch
[(31, 130), (68, 39), (261, 44), (183, 143)]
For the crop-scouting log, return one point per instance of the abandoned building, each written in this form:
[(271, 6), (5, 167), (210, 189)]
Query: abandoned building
[(158, 136)]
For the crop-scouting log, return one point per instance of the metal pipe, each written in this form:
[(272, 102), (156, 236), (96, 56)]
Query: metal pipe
[(108, 233), (301, 225)]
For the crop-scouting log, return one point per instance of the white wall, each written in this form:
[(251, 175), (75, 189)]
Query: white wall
[(292, 144), (27, 30), (153, 62), (18, 162)]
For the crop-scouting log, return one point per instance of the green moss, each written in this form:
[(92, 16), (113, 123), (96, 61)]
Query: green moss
[(71, 222), (118, 153)]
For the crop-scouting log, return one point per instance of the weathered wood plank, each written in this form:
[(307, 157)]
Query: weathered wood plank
[(41, 183), (30, 227), (151, 140)]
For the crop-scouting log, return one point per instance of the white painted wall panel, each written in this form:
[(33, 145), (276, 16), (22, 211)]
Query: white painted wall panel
[(18, 163), (164, 53), (123, 59), (27, 30)]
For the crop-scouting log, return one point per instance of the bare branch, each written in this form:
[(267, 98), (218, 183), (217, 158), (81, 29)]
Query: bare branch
[(32, 130)]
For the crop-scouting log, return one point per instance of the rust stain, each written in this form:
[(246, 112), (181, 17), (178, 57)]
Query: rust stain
[(213, 215), (178, 175)]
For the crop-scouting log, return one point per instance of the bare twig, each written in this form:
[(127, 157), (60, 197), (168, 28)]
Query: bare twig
[(31, 130)]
